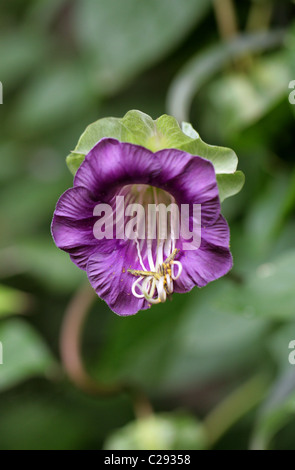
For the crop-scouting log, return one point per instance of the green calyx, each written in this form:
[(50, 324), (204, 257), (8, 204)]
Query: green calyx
[(140, 129)]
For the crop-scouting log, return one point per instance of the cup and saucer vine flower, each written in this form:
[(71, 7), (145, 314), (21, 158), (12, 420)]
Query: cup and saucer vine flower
[(113, 222)]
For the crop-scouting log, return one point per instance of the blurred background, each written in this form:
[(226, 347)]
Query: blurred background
[(213, 365)]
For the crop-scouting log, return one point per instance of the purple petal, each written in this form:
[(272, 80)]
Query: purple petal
[(191, 180), (112, 164), (107, 273), (75, 203), (72, 225), (204, 265), (217, 234)]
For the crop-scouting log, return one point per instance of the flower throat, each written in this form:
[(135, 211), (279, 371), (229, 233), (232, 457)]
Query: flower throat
[(156, 255)]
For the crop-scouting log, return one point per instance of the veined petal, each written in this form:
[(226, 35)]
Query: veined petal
[(217, 234), (191, 180), (107, 273), (112, 164), (75, 203), (72, 225), (202, 266)]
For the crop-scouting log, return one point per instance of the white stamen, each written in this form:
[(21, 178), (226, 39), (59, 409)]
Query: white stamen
[(139, 255), (157, 283), (134, 285), (169, 283), (149, 287), (177, 263), (150, 254), (161, 290)]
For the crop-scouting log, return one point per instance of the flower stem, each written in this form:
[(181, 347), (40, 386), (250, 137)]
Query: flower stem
[(235, 406), (70, 343), (226, 18), (227, 24), (260, 15), (70, 348), (203, 66)]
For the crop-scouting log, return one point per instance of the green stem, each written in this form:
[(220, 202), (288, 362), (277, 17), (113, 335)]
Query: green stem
[(202, 67), (260, 15), (70, 348), (227, 23), (226, 18), (235, 406)]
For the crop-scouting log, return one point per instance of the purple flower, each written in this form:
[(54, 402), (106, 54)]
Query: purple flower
[(131, 274)]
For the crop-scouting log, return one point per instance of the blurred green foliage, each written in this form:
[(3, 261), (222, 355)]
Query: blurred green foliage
[(64, 64), (163, 431)]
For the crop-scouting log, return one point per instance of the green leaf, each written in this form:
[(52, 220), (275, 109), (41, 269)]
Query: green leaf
[(24, 353), (74, 160), (159, 432), (139, 128), (12, 301), (105, 127), (170, 133), (230, 184), (188, 129), (223, 159)]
